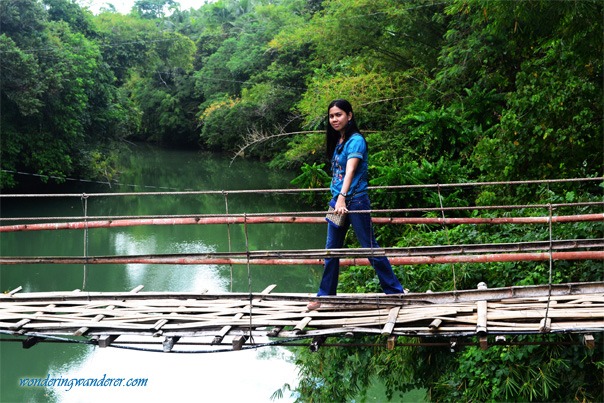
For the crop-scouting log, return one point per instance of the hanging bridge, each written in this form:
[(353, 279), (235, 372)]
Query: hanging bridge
[(172, 321)]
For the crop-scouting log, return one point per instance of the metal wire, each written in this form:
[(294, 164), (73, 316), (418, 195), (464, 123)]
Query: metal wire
[(85, 269), (285, 191), (290, 342)]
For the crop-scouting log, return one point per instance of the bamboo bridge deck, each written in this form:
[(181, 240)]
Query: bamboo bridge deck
[(172, 322)]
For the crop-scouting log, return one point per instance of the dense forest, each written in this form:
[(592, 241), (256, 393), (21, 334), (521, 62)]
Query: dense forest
[(445, 91)]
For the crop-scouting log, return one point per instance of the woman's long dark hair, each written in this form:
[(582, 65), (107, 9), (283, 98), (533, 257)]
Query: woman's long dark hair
[(332, 136)]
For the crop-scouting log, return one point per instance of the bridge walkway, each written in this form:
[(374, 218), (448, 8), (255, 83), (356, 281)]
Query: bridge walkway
[(178, 322)]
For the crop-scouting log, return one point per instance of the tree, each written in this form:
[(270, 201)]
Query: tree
[(163, 91), (153, 9), (60, 104)]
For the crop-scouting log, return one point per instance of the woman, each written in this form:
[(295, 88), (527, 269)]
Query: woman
[(347, 149)]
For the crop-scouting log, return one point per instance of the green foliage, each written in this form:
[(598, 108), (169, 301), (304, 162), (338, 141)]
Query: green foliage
[(21, 83), (302, 149), (322, 381), (56, 102), (313, 176), (162, 93), (78, 19), (496, 374)]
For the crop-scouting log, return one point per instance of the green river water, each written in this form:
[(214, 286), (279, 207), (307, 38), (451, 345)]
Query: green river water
[(250, 376)]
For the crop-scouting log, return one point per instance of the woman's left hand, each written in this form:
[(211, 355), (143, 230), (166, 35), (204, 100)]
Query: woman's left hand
[(340, 207)]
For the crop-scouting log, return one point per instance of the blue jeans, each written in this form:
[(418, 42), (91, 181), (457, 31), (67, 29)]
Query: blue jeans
[(361, 224)]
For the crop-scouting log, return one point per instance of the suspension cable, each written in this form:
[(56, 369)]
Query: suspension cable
[(249, 279), (303, 190), (440, 199), (226, 206), (545, 327), (85, 208)]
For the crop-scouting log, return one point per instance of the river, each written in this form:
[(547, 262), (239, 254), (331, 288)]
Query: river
[(251, 375)]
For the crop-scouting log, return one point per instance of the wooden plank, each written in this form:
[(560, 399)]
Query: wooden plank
[(391, 321), (268, 289), (225, 330), (481, 313), (137, 289), (159, 324), (299, 328), (23, 322), (435, 324), (481, 321), (274, 332), (97, 318)]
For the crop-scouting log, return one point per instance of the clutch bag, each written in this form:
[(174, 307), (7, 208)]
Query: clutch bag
[(335, 219)]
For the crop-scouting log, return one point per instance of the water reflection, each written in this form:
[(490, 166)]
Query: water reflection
[(223, 377), (188, 278)]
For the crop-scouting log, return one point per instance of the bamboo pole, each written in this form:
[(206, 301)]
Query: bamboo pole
[(271, 219), (481, 312), (412, 260)]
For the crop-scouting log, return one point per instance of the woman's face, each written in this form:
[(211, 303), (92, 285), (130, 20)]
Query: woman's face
[(338, 119)]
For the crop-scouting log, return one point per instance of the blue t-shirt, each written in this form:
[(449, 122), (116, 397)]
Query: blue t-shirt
[(355, 147)]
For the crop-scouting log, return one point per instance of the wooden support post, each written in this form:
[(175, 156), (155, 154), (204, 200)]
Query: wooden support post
[(484, 343), (238, 342), (589, 342), (316, 343), (299, 329), (169, 342), (275, 331), (391, 321), (391, 342), (106, 339), (31, 341), (453, 344)]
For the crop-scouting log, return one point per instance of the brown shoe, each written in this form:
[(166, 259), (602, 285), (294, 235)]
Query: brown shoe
[(313, 305)]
